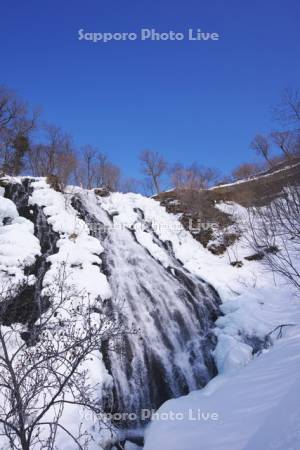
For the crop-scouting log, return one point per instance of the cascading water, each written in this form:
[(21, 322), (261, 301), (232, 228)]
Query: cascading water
[(173, 309)]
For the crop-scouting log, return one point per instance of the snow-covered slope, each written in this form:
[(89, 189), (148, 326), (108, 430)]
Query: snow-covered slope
[(252, 403), (126, 250), (257, 408), (111, 250)]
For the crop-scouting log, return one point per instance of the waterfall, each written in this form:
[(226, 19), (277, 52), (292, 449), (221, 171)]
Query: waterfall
[(173, 310)]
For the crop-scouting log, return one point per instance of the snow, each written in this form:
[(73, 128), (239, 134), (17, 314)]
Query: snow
[(149, 295), (243, 291), (18, 245), (131, 446), (243, 392), (254, 397), (251, 393), (257, 407), (77, 249), (253, 305), (80, 254)]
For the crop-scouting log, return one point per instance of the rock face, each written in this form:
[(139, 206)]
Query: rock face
[(170, 309)]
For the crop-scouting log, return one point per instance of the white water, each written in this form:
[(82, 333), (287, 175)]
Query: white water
[(172, 310)]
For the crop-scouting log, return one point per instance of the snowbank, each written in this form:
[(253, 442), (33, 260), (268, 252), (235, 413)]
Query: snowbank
[(253, 396), (256, 409), (18, 245)]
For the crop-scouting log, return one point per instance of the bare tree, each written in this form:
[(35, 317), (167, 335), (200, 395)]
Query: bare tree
[(95, 170), (275, 234), (147, 187), (107, 174), (44, 369), (192, 177), (178, 175), (89, 159), (287, 113), (207, 176), (154, 167), (16, 126), (285, 140), (288, 141), (130, 185), (288, 110), (262, 147), (55, 156), (101, 172), (245, 170)]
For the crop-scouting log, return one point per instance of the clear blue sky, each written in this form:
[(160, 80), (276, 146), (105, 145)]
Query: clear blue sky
[(191, 101)]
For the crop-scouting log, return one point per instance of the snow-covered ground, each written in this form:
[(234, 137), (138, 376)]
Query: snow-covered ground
[(253, 403), (252, 394), (18, 245), (80, 254), (256, 408)]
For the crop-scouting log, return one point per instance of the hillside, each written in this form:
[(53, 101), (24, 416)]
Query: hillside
[(189, 318), (255, 409), (251, 404), (199, 213)]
